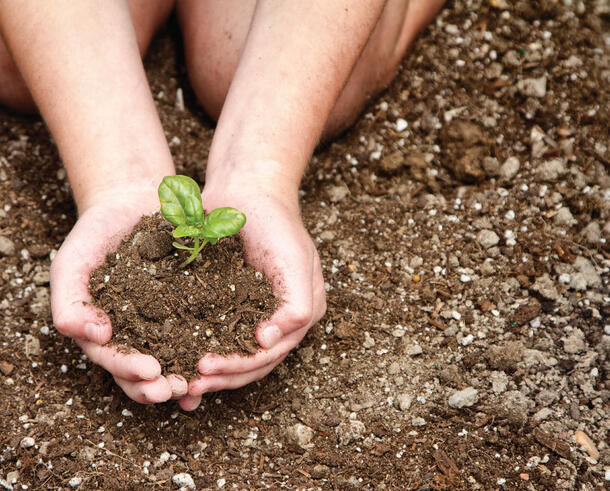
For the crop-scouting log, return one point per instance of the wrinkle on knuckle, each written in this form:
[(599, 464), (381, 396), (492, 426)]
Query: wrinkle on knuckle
[(301, 316), (63, 324)]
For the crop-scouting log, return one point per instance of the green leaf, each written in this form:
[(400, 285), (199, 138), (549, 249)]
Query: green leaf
[(222, 222), (181, 201), (178, 245), (186, 231)]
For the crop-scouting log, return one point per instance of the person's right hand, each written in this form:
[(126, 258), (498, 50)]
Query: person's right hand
[(103, 223)]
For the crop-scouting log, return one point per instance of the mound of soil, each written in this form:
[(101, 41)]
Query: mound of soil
[(178, 314)]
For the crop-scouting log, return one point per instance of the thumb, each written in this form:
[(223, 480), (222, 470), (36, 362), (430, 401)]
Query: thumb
[(71, 304)]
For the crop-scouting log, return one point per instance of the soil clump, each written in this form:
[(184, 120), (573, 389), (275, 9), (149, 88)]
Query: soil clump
[(178, 314)]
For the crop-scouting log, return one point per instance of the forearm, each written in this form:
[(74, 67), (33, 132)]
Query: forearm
[(297, 58), (81, 63)]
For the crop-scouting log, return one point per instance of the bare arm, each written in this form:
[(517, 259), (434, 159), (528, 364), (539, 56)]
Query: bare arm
[(297, 58), (81, 63), (82, 66)]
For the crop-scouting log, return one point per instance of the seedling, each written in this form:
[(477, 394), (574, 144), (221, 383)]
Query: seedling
[(182, 207)]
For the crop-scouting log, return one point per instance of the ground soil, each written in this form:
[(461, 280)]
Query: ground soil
[(176, 313), (467, 272)]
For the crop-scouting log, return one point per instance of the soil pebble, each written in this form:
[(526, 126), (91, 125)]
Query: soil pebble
[(487, 238), (464, 398), (300, 434), (178, 314), (7, 247), (509, 168), (533, 87), (184, 480)]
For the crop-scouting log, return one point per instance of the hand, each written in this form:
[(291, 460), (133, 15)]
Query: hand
[(107, 218), (277, 244)]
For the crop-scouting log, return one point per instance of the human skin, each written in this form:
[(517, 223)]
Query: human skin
[(271, 114)]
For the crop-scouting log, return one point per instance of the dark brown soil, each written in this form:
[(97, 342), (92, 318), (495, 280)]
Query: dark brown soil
[(419, 307), (178, 314)]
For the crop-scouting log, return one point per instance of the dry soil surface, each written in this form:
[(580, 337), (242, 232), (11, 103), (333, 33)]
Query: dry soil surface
[(463, 226)]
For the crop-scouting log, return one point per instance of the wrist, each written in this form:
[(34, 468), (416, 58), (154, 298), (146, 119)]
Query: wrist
[(138, 188), (266, 177)]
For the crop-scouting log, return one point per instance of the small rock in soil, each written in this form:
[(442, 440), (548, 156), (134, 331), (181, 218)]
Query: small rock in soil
[(532, 87), (546, 287), (162, 460), (32, 345), (552, 170), (7, 247), (41, 278), (592, 233), (75, 482), (546, 397), (491, 166), (6, 368), (505, 356), (542, 414), (12, 477), (27, 442), (526, 313), (320, 471), (487, 238), (184, 480), (337, 194), (393, 162), (413, 349), (350, 431), (499, 382), (464, 398), (41, 303), (574, 343), (564, 218), (587, 444), (590, 275), (404, 401), (300, 434), (39, 251), (509, 168)]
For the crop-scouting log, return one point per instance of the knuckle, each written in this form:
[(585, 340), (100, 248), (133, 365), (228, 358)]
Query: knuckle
[(301, 316), (63, 324), (321, 309)]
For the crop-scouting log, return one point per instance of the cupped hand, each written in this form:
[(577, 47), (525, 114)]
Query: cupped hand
[(277, 244), (100, 228)]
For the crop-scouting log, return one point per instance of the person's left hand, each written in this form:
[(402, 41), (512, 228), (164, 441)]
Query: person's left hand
[(101, 226), (277, 244)]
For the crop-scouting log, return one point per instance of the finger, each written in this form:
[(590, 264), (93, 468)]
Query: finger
[(213, 383), (214, 364), (146, 391), (297, 308), (130, 366), (319, 292), (178, 384), (73, 313), (189, 402)]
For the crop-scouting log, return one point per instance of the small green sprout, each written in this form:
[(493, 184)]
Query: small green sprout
[(182, 207)]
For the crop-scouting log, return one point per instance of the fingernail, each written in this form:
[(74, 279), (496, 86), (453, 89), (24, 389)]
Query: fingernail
[(271, 336), (93, 333)]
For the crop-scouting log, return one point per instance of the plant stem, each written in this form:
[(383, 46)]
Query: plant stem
[(195, 251)]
